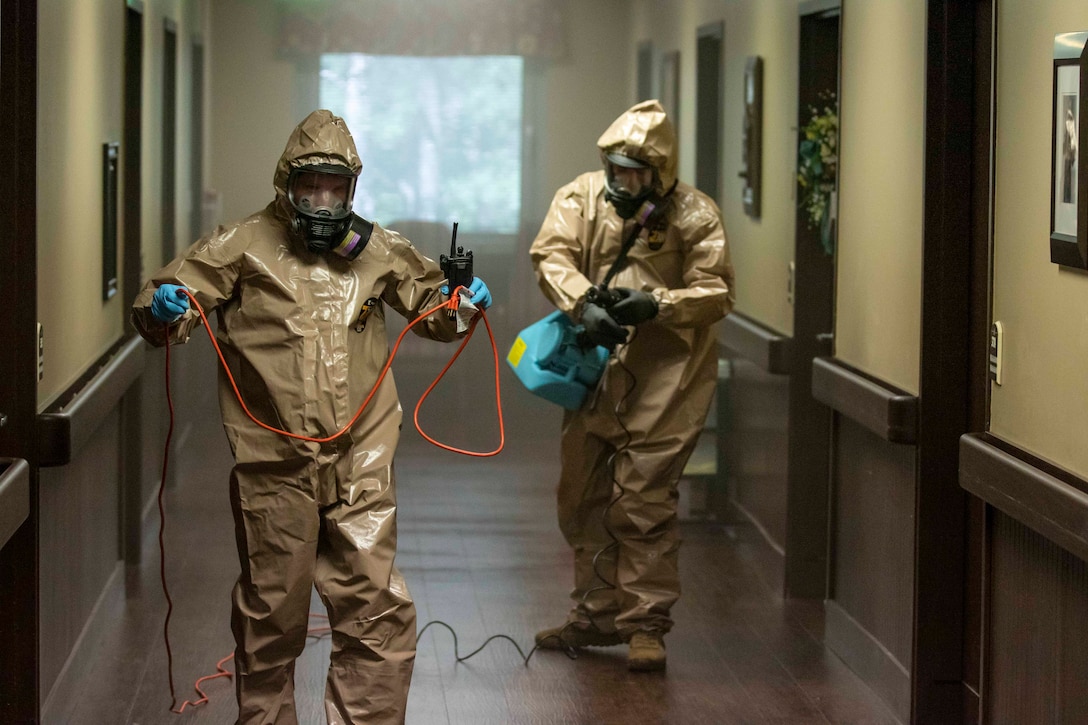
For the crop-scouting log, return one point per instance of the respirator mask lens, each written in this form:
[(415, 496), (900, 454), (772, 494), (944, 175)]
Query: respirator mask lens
[(628, 183), (321, 198)]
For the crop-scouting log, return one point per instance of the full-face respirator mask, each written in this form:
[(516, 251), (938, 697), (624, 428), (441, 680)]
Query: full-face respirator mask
[(626, 202), (321, 197)]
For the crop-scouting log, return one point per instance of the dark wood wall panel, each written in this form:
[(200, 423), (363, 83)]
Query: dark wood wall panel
[(872, 556), (753, 414), (155, 420), (79, 541), (194, 370), (193, 384), (1038, 629)]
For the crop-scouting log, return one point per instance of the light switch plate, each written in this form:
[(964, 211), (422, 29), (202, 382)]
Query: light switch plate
[(41, 352), (997, 344)]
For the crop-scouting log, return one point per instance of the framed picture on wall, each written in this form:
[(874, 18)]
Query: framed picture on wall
[(670, 86), (752, 150), (110, 169), (1068, 184)]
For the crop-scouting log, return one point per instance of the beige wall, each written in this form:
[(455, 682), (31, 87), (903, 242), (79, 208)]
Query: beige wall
[(79, 109), (882, 130), (762, 248), (80, 96), (253, 97), (1041, 402), (583, 94)]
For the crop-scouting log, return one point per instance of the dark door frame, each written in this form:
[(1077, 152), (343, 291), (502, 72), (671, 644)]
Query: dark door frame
[(808, 448), (131, 503), (644, 68), (981, 315), (196, 158), (709, 107), (169, 207), (954, 329), (19, 623)]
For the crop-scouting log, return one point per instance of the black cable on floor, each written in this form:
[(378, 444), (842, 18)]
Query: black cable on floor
[(570, 651)]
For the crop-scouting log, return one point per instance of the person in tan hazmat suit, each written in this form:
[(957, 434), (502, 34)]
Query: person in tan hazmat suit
[(300, 299), (623, 451)]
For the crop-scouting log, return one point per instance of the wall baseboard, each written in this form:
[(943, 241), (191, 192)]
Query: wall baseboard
[(69, 683), (870, 660)]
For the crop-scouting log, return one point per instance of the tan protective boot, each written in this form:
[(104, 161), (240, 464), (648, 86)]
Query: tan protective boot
[(646, 652), (575, 635)]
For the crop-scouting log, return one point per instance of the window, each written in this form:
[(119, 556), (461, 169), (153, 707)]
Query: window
[(439, 137)]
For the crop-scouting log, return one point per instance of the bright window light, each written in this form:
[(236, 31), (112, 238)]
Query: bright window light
[(439, 137)]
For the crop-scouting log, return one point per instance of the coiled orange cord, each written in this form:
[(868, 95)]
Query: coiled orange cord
[(451, 304)]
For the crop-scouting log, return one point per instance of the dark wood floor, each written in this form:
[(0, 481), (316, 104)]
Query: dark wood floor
[(481, 552)]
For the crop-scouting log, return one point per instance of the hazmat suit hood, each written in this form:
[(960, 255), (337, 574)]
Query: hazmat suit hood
[(321, 138), (645, 133)]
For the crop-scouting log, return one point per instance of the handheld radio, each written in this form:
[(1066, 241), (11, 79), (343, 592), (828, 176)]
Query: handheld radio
[(457, 267)]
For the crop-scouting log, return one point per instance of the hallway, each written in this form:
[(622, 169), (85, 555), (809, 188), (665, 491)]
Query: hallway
[(899, 414), (481, 552)]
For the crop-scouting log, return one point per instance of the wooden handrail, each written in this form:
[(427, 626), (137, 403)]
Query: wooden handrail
[(14, 496), (61, 433), (890, 413)]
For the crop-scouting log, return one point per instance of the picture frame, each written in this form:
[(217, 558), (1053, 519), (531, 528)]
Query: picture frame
[(670, 86), (1068, 174), (752, 139), (111, 152)]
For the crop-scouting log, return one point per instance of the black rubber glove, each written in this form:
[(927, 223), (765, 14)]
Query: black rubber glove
[(601, 329), (634, 306)]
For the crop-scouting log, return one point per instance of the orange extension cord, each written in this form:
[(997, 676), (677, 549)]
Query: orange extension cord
[(451, 304)]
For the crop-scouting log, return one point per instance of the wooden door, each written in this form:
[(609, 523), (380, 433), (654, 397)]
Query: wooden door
[(18, 363)]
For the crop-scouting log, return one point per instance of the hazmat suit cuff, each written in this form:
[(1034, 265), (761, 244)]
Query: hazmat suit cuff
[(660, 296), (183, 327), (158, 334), (575, 313)]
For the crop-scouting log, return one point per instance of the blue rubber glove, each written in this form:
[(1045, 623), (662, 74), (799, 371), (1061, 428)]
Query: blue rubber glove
[(481, 295), (169, 303), (478, 293)]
